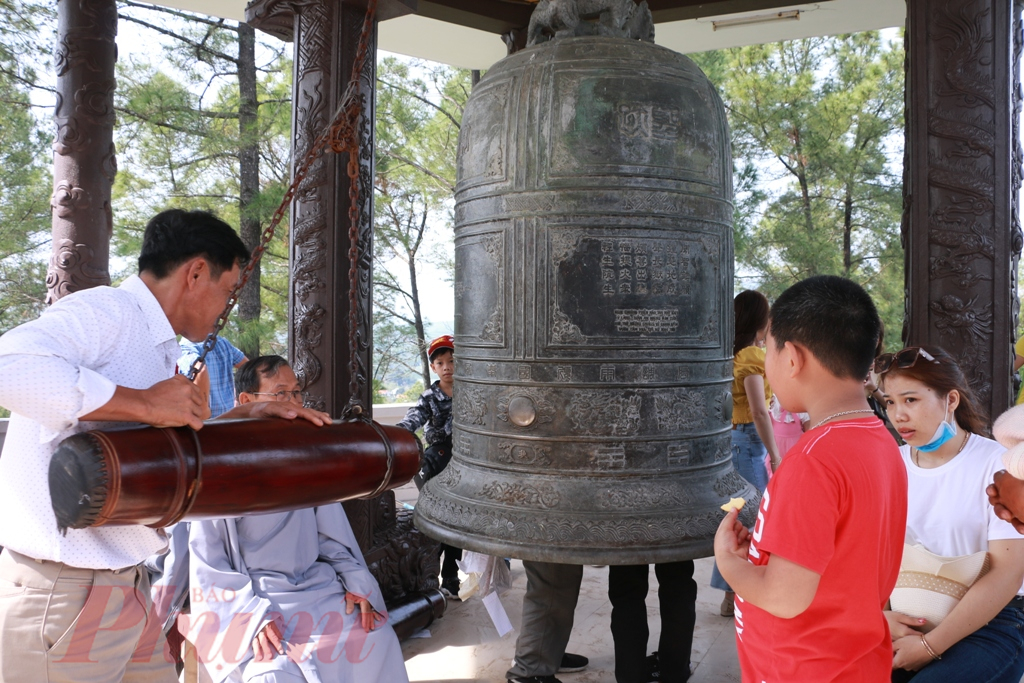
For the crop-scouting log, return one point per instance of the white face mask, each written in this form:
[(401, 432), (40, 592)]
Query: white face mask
[(943, 433)]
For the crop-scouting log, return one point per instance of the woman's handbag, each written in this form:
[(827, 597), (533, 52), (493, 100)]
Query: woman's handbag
[(929, 586)]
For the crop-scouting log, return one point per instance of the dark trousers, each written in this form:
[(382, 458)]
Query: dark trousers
[(677, 595), (449, 570)]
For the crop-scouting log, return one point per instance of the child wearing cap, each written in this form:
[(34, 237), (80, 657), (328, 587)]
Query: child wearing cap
[(433, 412)]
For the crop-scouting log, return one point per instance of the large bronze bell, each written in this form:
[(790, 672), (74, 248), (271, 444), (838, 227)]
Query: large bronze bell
[(593, 312)]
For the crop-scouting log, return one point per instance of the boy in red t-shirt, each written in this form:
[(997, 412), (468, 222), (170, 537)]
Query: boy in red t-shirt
[(812, 577)]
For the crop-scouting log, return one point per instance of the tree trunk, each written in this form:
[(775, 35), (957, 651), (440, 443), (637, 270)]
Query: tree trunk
[(249, 181), (421, 335), (847, 230)]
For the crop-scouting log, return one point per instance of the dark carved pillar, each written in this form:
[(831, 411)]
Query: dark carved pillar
[(84, 163), (961, 228), (326, 35)]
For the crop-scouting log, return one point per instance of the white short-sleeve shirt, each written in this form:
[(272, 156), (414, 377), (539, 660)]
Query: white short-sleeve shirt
[(948, 510), (65, 364)]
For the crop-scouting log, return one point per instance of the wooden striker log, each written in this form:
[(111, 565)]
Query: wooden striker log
[(156, 477)]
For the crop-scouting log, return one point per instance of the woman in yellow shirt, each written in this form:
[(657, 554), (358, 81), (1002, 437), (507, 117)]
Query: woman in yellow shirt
[(752, 435)]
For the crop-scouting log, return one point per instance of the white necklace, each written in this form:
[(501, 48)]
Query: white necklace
[(845, 412)]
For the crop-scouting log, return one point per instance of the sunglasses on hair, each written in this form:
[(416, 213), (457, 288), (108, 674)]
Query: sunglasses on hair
[(901, 359)]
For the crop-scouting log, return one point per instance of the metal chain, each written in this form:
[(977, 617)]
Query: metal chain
[(341, 136)]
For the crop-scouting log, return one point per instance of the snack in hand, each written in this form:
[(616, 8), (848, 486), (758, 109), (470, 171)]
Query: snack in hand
[(734, 504)]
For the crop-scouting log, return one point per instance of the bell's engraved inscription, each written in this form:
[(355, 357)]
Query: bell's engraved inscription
[(492, 370), (607, 373), (563, 373), (523, 454), (521, 494), (679, 455), (610, 457), (646, 320), (645, 267), (645, 373), (598, 413), (525, 408), (685, 410), (650, 497), (525, 372), (462, 445), (683, 373), (650, 121), (471, 405)]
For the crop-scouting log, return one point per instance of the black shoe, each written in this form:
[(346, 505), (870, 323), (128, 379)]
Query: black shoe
[(571, 663), (534, 679), (653, 667), (450, 587)]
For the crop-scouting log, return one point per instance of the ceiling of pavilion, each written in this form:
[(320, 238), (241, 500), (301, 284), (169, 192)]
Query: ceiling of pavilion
[(465, 33)]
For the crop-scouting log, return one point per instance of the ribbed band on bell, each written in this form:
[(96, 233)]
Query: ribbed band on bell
[(1009, 431)]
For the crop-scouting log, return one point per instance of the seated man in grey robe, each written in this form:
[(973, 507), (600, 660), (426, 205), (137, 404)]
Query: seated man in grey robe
[(286, 597)]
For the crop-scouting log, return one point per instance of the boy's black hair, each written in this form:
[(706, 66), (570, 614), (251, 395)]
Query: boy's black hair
[(175, 236), (834, 318), (247, 378), (438, 352)]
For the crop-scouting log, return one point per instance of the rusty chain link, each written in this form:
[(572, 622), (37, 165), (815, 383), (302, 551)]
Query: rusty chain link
[(342, 135)]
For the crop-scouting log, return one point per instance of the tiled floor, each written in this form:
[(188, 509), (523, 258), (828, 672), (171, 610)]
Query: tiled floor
[(464, 646)]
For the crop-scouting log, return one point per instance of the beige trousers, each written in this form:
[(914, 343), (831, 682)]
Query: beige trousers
[(61, 624)]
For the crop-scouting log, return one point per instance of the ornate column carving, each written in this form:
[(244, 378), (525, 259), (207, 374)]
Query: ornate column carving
[(326, 34), (961, 228), (84, 163)]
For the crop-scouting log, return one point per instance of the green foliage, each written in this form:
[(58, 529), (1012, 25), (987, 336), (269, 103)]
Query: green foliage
[(419, 110), (412, 394), (180, 145), (817, 130), (25, 165)]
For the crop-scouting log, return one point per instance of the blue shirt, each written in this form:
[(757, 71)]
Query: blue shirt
[(220, 364)]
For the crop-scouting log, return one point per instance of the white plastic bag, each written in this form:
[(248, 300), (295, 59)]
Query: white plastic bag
[(485, 574)]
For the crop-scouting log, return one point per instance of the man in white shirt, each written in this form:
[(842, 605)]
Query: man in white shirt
[(76, 607)]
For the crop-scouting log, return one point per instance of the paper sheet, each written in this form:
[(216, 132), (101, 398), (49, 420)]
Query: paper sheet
[(497, 613)]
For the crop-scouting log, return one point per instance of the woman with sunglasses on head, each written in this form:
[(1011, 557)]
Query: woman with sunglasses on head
[(948, 467)]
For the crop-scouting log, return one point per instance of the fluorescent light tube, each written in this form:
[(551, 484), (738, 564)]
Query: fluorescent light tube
[(756, 19)]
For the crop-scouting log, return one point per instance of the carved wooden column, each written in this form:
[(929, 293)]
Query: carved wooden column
[(961, 228), (84, 163), (326, 35)]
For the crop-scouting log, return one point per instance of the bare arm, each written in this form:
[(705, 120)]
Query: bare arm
[(781, 588), (754, 386), (1018, 361), (983, 601), (281, 409)]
